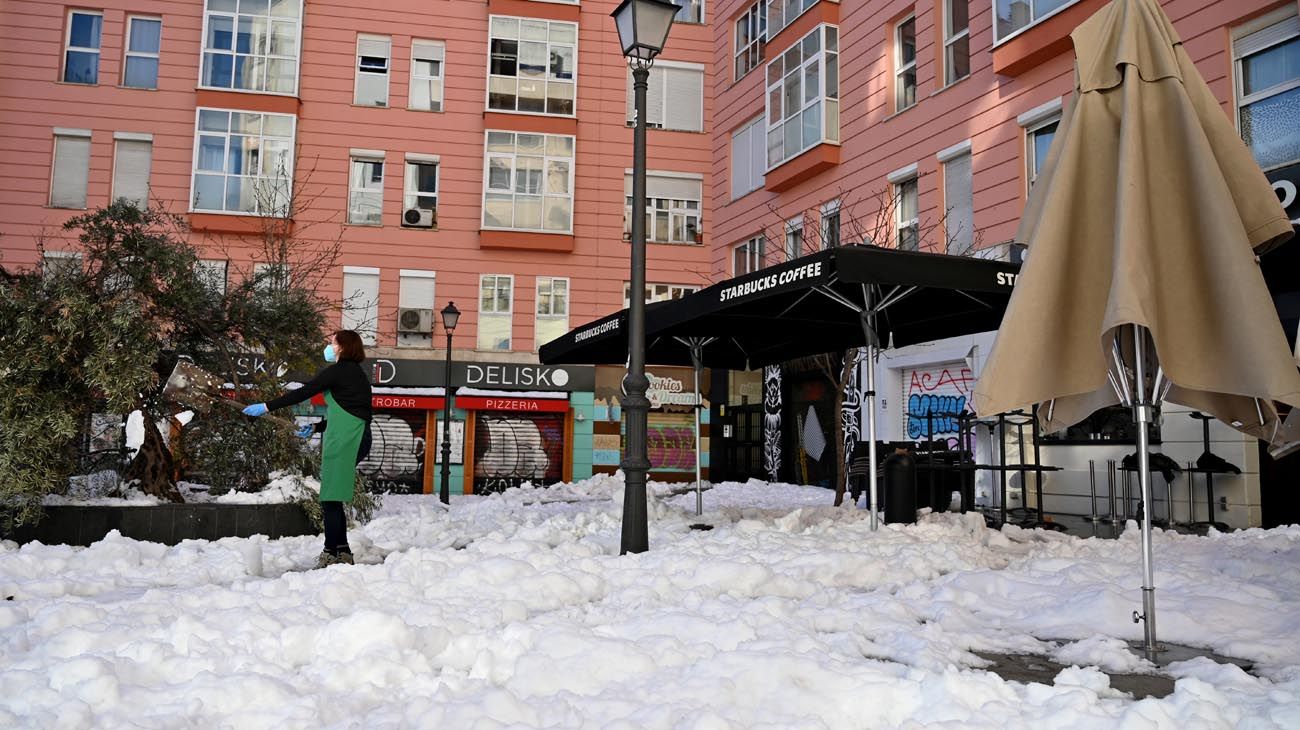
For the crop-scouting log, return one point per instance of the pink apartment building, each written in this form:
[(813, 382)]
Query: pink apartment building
[(460, 151), (923, 125)]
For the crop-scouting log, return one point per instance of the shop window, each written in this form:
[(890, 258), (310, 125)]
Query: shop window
[(1266, 53), (1110, 424)]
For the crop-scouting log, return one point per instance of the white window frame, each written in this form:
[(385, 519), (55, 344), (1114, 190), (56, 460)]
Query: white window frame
[(207, 269), (435, 105), (755, 255), (793, 245), (827, 100), (410, 182), (508, 314), (363, 158), (950, 40), (546, 77), (130, 138), (779, 21), (559, 320), (945, 157), (1254, 37), (278, 278), (1034, 20), (901, 68), (657, 96), (69, 134), (1031, 148), (289, 167), (831, 209), (362, 318), (417, 289), (367, 72), (267, 57), (902, 179), (512, 157), (69, 48), (753, 134), (677, 211), (752, 22), (687, 7), (54, 261), (658, 292), (128, 54)]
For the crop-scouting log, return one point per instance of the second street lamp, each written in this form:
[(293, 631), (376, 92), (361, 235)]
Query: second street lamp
[(642, 31), (450, 316)]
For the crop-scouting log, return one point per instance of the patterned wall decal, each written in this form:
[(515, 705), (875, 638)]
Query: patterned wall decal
[(772, 421)]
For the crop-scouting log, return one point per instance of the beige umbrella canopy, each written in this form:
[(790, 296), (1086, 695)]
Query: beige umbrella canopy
[(1141, 281), (1146, 214)]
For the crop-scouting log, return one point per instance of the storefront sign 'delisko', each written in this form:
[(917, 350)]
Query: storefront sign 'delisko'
[(797, 275), (1286, 183), (491, 375)]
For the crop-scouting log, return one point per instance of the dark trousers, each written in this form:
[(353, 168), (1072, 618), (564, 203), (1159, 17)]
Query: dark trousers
[(336, 527)]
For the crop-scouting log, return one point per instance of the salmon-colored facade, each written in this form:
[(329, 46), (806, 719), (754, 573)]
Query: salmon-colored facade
[(158, 80)]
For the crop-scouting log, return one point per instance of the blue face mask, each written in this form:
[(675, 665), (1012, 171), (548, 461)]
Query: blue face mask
[(330, 354)]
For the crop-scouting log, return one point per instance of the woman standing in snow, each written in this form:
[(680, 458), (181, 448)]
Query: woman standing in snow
[(347, 440)]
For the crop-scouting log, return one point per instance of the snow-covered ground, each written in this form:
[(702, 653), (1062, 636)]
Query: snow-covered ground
[(516, 611)]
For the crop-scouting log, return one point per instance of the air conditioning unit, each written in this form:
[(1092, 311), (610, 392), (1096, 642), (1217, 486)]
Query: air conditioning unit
[(415, 321), (418, 218)]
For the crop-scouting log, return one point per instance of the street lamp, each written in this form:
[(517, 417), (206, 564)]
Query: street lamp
[(642, 30), (450, 316)]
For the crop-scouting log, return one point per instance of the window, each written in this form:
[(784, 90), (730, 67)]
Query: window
[(657, 292), (803, 90), (691, 11), (672, 208), (781, 13), (373, 55), (905, 64), (905, 203), (793, 238), (532, 65), (1267, 58), (71, 168), (552, 308), (252, 46), (747, 257), (361, 301), (243, 162), (751, 27), (1039, 139), (956, 40), (494, 312), (426, 75), (748, 155), (213, 274), (674, 97), (59, 262), (529, 182), (132, 160), (143, 42), (415, 290), (81, 47), (831, 225), (366, 191), (270, 277), (420, 189), (959, 218), (1016, 15)]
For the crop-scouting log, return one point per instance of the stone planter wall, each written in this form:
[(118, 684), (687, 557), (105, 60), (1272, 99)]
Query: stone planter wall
[(168, 523)]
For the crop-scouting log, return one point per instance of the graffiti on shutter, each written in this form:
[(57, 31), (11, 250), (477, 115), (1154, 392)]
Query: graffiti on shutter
[(933, 396), (513, 448), (670, 441), (396, 460)]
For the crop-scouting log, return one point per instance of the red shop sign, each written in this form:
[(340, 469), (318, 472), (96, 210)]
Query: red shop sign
[(395, 400), (503, 403)]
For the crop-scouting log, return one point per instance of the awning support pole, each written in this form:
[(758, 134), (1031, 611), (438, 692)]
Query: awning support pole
[(869, 330), (697, 361), (1142, 408)]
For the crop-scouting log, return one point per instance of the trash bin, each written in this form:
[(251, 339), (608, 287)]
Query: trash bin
[(900, 488)]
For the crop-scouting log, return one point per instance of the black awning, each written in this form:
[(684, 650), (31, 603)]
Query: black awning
[(812, 305)]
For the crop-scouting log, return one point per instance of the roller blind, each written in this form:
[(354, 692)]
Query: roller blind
[(131, 165), (361, 304), (71, 172), (684, 99), (663, 186)]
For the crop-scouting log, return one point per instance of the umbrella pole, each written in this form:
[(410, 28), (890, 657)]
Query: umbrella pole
[(871, 431), (696, 360), (1142, 415)]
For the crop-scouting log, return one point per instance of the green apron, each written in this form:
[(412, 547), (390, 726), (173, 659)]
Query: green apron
[(338, 460)]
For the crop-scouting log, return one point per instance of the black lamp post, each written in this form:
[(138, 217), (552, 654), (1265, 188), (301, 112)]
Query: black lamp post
[(450, 316), (642, 30)]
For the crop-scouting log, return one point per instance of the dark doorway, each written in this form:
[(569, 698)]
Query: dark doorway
[(1278, 497), (809, 429), (745, 447)]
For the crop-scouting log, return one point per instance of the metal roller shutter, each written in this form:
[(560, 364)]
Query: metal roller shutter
[(513, 448)]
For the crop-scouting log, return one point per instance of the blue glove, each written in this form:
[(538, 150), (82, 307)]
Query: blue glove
[(305, 432), (255, 410)]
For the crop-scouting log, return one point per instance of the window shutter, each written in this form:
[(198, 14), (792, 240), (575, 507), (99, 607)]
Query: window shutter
[(1270, 36), (960, 220), (679, 188), (741, 162), (757, 153), (427, 50), (686, 89), (361, 304), (654, 98), (131, 167), (71, 172), (377, 47)]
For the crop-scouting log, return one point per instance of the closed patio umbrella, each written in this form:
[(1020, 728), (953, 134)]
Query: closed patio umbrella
[(1140, 281)]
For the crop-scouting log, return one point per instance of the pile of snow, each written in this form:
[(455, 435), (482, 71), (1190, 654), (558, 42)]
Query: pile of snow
[(517, 610)]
